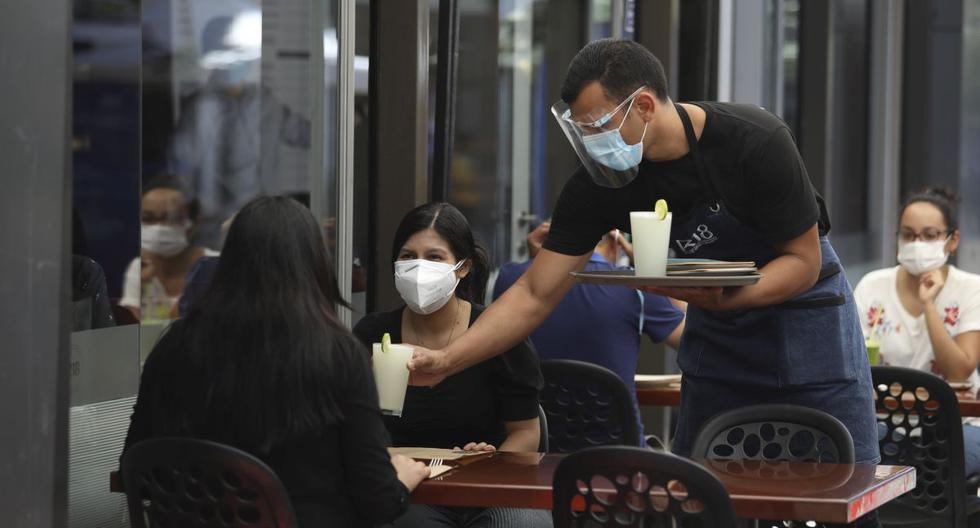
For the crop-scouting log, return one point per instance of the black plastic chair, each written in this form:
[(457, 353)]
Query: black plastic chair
[(775, 432), (188, 483), (633, 487), (587, 406), (919, 425)]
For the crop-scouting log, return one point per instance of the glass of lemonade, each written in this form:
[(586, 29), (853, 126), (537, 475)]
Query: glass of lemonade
[(651, 239), (391, 376)]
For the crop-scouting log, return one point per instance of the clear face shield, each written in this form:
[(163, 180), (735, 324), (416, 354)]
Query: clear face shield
[(600, 146)]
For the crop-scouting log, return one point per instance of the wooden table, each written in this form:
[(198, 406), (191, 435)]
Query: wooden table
[(838, 493), (667, 396)]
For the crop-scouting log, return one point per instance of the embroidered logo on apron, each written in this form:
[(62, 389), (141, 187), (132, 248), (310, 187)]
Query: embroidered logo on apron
[(702, 236)]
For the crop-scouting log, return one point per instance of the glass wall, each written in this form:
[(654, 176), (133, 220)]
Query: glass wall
[(969, 177), (510, 160), (789, 56), (846, 178), (184, 110), (105, 340)]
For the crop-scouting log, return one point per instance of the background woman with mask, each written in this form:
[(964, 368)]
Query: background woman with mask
[(155, 280), (440, 273), (925, 313)]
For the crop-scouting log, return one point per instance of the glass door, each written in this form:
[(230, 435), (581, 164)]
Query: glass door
[(510, 159), (184, 110)]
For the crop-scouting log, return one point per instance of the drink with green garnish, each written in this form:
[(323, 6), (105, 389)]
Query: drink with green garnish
[(390, 365)]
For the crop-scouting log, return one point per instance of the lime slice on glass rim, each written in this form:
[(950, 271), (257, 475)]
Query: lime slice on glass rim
[(386, 342), (661, 209)]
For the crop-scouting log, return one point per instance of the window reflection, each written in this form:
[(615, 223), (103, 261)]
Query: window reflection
[(791, 58), (226, 144), (228, 94), (508, 163), (154, 281), (90, 296)]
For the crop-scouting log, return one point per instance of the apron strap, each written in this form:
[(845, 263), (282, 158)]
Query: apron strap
[(692, 145)]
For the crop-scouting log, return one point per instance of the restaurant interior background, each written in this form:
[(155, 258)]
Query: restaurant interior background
[(363, 109)]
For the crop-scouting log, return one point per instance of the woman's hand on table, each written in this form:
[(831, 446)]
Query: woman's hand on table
[(409, 472), (473, 446), (930, 284)]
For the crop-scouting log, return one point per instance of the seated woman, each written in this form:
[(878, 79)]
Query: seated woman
[(925, 313), (155, 280), (263, 364), (441, 273)]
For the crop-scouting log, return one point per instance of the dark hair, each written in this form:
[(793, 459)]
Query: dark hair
[(173, 182), (620, 66), (257, 354), (943, 198), (452, 226)]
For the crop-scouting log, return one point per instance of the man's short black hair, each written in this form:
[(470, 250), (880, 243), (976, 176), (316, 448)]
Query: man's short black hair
[(620, 66)]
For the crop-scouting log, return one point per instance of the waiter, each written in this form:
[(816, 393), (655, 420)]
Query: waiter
[(738, 190)]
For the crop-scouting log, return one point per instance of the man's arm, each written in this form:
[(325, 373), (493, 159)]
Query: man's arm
[(674, 339), (506, 322), (793, 272)]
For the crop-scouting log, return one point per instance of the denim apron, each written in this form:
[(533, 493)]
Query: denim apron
[(806, 351)]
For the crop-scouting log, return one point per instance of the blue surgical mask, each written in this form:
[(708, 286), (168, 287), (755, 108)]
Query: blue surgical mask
[(610, 149)]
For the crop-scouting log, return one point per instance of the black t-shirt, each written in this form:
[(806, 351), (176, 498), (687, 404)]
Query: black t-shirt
[(470, 406), (752, 163)]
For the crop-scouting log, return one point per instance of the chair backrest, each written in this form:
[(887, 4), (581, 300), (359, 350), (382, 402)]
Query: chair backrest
[(775, 432), (632, 486), (543, 430), (587, 406), (188, 483), (919, 425)]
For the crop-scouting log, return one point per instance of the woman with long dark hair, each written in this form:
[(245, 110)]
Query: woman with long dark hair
[(441, 274), (263, 364)]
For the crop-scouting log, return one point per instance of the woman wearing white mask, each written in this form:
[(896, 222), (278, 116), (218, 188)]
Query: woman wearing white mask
[(925, 313), (440, 273), (155, 280)]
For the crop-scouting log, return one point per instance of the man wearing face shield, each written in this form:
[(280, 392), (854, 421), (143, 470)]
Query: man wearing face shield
[(738, 190)]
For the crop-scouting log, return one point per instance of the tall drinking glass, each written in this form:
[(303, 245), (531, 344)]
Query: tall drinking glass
[(651, 239), (391, 376)]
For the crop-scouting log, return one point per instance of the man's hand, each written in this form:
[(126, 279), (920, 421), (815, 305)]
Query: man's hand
[(714, 299), (621, 241), (428, 367), (536, 238)]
